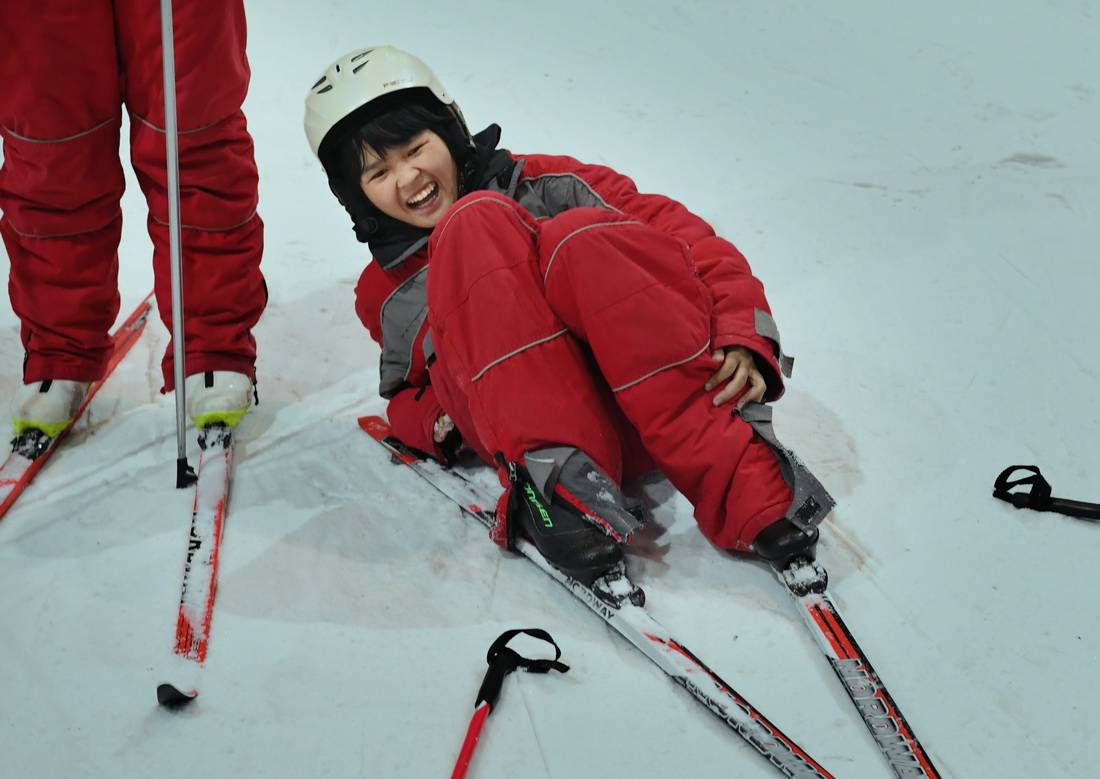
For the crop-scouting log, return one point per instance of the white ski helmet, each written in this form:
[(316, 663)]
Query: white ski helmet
[(359, 78)]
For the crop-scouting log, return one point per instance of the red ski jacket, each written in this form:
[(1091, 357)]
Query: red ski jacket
[(392, 303)]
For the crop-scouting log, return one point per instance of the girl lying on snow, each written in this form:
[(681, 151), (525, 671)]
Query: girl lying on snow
[(574, 331)]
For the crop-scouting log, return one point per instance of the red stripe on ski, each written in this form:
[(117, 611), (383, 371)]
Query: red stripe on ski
[(835, 635), (208, 614), (200, 572), (891, 712), (122, 340), (743, 704), (873, 702), (185, 636), (186, 643), (379, 431), (858, 662)]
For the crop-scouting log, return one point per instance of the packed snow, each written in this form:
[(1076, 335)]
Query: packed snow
[(918, 187)]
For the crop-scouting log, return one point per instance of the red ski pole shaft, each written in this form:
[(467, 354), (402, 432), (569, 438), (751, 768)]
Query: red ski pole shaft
[(472, 733)]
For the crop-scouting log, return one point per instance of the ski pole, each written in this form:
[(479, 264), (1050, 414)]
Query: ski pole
[(185, 476), (502, 661), (1037, 495)]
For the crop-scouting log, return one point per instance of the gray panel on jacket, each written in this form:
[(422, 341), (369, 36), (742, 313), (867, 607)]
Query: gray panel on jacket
[(402, 316)]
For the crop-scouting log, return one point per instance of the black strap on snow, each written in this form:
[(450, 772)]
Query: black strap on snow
[(1038, 496), (503, 660)]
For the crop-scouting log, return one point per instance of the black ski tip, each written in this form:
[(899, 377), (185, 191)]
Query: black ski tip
[(171, 697)]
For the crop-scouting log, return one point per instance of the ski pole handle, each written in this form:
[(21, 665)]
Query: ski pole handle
[(502, 661), (1037, 495)]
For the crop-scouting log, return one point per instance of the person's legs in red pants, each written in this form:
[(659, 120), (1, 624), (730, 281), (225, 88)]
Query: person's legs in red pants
[(629, 292), (60, 186), (61, 181), (222, 235), (520, 385), (626, 291)]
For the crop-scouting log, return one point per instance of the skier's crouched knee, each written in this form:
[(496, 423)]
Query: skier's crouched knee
[(486, 212)]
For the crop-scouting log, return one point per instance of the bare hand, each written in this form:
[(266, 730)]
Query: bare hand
[(443, 427), (736, 364)]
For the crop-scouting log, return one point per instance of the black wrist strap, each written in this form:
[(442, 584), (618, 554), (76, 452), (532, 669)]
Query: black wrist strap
[(503, 660), (1038, 496)]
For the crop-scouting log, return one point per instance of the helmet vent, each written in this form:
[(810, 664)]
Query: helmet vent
[(337, 68), (320, 81), (359, 67), (324, 89), (361, 54)]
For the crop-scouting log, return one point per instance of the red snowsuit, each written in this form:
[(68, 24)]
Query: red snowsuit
[(567, 309), (66, 68)]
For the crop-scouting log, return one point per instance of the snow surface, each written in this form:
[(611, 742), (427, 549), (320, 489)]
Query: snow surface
[(918, 186)]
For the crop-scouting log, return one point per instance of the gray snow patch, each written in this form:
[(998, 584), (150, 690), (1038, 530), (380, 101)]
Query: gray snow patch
[(1032, 160)]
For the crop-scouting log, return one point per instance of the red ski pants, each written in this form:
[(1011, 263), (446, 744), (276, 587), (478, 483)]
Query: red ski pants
[(550, 332), (66, 69)]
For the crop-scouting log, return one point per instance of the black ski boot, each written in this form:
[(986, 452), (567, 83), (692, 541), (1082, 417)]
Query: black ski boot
[(782, 542), (569, 542)]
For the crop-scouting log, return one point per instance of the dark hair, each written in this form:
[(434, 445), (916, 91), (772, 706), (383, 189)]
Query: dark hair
[(395, 120)]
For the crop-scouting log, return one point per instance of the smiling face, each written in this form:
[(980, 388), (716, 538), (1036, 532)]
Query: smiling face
[(414, 182)]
